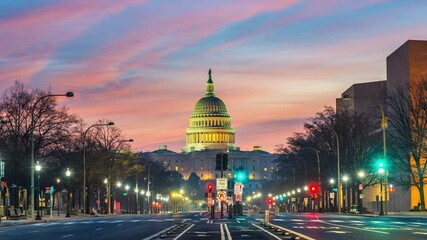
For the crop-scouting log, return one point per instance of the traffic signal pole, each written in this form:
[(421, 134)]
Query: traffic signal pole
[(222, 175)]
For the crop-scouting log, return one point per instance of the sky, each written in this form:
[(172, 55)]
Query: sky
[(144, 64)]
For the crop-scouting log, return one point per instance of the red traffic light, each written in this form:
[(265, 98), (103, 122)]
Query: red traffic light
[(313, 188), (270, 201), (210, 187)]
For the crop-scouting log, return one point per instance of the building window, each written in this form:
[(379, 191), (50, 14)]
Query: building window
[(265, 169), (201, 175), (201, 167), (253, 167), (216, 175), (176, 168), (253, 176)]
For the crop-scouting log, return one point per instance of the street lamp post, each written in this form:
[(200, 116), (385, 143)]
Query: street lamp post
[(361, 175), (384, 125), (68, 174), (345, 179), (339, 193), (38, 169), (68, 94), (381, 171), (142, 201), (84, 162), (127, 195), (58, 181)]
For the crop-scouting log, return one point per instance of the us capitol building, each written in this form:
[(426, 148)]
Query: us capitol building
[(210, 132)]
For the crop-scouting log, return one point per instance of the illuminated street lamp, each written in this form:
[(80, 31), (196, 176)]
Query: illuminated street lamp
[(38, 169), (84, 161), (338, 170), (68, 174), (33, 125)]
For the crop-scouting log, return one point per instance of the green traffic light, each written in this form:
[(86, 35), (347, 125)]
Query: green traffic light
[(241, 176)]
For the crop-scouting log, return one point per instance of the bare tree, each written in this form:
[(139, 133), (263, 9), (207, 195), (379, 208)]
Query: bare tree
[(52, 127), (408, 125)]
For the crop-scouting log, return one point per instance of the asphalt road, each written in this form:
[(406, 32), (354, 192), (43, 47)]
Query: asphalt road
[(196, 226)]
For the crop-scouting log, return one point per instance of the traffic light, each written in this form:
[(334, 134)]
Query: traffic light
[(221, 162), (313, 188), (210, 187), (381, 166), (270, 201), (241, 176)]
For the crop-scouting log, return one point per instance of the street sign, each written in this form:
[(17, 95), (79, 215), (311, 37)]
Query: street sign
[(238, 197), (210, 201), (238, 188), (221, 183), (222, 195)]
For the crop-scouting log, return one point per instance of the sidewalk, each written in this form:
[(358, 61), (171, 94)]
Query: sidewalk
[(46, 218), (390, 214)]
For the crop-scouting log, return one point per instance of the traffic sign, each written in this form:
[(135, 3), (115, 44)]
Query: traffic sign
[(238, 197), (210, 202), (221, 183), (238, 188), (222, 195)]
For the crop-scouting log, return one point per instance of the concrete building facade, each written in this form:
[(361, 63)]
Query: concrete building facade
[(405, 66)]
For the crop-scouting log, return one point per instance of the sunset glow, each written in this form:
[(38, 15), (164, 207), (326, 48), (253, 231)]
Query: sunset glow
[(144, 64)]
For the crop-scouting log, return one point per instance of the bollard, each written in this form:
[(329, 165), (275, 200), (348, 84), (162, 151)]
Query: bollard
[(267, 216)]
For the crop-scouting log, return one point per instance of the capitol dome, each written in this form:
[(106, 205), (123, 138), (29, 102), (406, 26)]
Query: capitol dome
[(210, 124)]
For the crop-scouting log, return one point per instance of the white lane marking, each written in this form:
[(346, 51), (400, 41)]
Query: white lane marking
[(338, 232), (118, 221), (339, 221), (363, 229), (203, 219), (296, 233), (240, 219), (237, 221), (98, 229), (259, 219), (69, 235), (221, 229), (184, 232), (135, 220), (269, 233), (297, 220), (418, 223), (398, 222), (422, 233), (278, 220), (157, 234), (228, 232)]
